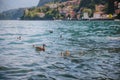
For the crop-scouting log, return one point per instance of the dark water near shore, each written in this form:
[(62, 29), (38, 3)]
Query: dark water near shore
[(94, 50)]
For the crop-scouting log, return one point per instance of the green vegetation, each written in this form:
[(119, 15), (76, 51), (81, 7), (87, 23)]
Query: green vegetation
[(50, 12), (58, 9)]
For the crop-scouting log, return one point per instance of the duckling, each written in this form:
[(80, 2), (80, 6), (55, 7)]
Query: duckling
[(66, 53), (40, 48)]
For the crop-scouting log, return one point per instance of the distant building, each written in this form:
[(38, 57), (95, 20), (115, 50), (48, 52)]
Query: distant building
[(117, 11), (72, 14), (117, 7), (63, 10), (78, 16), (51, 5), (72, 2), (98, 14), (85, 15), (99, 8), (41, 14)]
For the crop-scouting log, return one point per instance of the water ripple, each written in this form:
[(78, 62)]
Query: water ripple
[(94, 50)]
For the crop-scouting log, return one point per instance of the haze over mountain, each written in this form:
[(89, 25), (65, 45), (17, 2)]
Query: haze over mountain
[(15, 4), (13, 9), (12, 14)]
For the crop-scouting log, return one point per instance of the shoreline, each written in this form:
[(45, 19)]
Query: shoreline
[(63, 20)]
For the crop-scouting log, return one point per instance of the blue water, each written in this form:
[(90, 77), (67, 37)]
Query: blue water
[(94, 50)]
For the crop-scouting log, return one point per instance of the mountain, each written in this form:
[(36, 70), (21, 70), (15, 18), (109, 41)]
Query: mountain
[(49, 13), (42, 2), (12, 14)]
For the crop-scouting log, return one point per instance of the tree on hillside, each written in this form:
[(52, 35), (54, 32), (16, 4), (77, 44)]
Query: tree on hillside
[(111, 7)]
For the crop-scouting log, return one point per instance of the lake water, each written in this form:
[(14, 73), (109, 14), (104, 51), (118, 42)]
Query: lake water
[(94, 50)]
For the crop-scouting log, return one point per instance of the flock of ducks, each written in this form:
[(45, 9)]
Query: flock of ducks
[(42, 48)]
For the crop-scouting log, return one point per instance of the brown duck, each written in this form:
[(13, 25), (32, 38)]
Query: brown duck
[(40, 48)]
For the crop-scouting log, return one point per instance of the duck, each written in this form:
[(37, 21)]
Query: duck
[(40, 48), (19, 37), (60, 36), (66, 53), (50, 31)]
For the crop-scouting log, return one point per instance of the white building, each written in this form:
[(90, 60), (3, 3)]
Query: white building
[(41, 15), (51, 5), (96, 15), (119, 5), (85, 15)]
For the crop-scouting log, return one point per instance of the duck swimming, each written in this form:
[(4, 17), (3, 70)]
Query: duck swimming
[(50, 31), (66, 53), (19, 37), (40, 48)]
